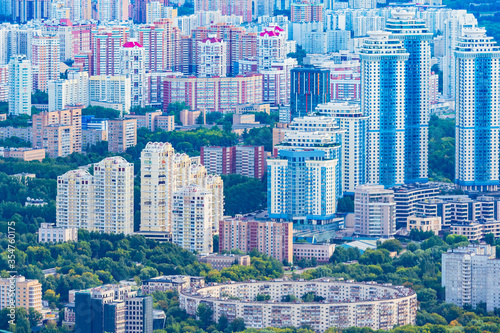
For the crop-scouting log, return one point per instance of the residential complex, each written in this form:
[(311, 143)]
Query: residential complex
[(383, 306), (272, 238), (28, 293), (171, 282), (309, 87), (471, 275), (408, 196), (102, 202)]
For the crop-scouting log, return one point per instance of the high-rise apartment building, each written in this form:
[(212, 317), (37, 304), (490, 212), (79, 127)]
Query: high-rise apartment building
[(157, 187), (28, 293), (416, 40), (247, 161), (301, 186), (20, 86), (212, 57), (318, 133), (163, 172), (471, 275), (271, 47), (103, 202), (58, 132), (74, 90), (374, 211), (132, 66), (306, 12), (351, 119), (122, 134), (111, 91), (477, 103), (106, 44), (383, 61), (453, 29), (272, 238), (218, 160), (45, 59), (309, 87), (192, 219)]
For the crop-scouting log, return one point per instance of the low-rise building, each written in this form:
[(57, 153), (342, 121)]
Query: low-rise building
[(406, 196), (28, 293), (322, 252), (424, 223), (253, 108), (26, 154), (171, 282), (220, 261), (476, 230), (49, 233), (154, 120), (35, 202)]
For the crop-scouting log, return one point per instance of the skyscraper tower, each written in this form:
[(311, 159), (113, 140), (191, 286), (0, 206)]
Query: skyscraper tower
[(133, 66), (477, 100), (383, 61), (415, 37)]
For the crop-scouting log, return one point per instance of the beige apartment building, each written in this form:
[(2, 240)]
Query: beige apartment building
[(28, 293), (26, 154), (424, 223), (122, 134), (58, 132)]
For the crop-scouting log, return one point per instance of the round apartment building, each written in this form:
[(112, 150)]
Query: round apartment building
[(343, 304)]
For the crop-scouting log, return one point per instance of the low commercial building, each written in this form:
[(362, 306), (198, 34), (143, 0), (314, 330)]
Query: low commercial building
[(49, 233), (346, 304), (476, 230), (424, 223), (26, 154), (322, 252), (171, 282), (220, 261)]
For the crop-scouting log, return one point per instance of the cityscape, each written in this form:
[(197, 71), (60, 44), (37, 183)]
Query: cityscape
[(253, 166)]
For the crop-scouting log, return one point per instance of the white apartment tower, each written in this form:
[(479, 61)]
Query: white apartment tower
[(192, 219), (103, 202), (453, 29), (416, 40), (75, 200), (383, 63), (114, 191), (477, 101), (20, 85), (212, 57), (271, 47), (374, 211), (157, 162), (350, 118), (163, 172), (471, 275), (74, 90), (132, 65)]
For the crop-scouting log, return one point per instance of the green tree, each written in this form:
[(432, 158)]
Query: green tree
[(205, 314), (34, 317), (345, 204), (100, 112), (392, 245)]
